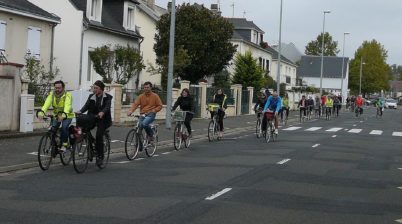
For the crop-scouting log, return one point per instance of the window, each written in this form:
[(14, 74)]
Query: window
[(3, 35), (288, 79), (94, 10), (129, 16), (267, 66), (33, 46)]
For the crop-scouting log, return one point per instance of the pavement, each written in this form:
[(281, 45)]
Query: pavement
[(19, 150)]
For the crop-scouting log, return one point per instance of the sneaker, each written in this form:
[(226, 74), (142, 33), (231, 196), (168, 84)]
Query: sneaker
[(220, 134), (64, 147), (276, 131)]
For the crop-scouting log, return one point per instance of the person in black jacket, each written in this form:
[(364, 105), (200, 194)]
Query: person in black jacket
[(220, 99), (186, 103), (98, 105)]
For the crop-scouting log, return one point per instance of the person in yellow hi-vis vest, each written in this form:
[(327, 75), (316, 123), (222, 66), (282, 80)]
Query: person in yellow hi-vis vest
[(329, 103), (61, 102)]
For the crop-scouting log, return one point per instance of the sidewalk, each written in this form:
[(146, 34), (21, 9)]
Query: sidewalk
[(19, 151)]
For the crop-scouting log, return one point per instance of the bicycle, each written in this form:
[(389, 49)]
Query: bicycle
[(286, 111), (84, 149), (213, 126), (358, 111), (258, 125), (50, 144), (269, 132), (303, 112), (379, 112), (328, 113), (180, 134), (136, 140)]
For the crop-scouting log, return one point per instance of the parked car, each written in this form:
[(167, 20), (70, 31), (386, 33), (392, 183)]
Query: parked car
[(391, 104)]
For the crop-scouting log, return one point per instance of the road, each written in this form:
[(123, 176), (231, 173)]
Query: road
[(346, 170)]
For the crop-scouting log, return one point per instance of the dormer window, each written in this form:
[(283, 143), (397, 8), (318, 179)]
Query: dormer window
[(94, 10), (129, 16)]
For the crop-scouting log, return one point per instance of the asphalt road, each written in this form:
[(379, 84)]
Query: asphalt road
[(346, 170)]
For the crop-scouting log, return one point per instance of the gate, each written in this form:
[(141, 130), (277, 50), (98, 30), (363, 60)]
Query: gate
[(195, 92), (245, 102)]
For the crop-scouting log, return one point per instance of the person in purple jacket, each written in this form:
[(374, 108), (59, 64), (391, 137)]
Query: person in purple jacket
[(273, 104)]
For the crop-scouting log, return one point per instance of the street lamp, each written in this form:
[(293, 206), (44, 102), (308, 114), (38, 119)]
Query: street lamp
[(278, 77), (361, 71), (169, 88), (322, 50), (343, 66)]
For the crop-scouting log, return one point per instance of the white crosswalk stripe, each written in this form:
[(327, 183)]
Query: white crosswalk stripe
[(291, 128), (334, 129), (355, 130), (313, 129), (376, 132), (395, 133)]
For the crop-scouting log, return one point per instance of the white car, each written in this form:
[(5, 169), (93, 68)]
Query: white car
[(391, 103)]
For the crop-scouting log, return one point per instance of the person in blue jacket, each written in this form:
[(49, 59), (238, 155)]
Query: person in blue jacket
[(273, 104)]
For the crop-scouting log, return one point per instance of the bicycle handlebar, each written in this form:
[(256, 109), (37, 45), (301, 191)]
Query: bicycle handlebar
[(51, 116)]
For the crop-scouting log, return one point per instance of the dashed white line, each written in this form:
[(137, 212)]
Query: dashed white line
[(376, 132), (313, 129), (315, 146), (354, 125), (139, 159), (33, 153), (121, 162), (333, 136), (113, 141), (283, 161), (165, 153), (156, 155), (399, 134), (291, 128), (355, 130), (333, 129), (212, 197)]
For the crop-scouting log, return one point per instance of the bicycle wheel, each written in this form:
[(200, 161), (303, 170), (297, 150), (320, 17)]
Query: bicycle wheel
[(177, 136), (150, 149), (186, 138), (106, 151), (131, 145), (258, 128), (45, 151), (268, 132), (81, 155), (211, 131), (67, 156)]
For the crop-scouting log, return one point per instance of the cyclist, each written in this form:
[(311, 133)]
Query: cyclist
[(359, 103), (302, 105), (317, 106), (329, 104), (186, 103), (380, 104), (274, 103), (259, 106), (336, 106), (150, 104), (285, 106), (220, 99), (310, 106), (99, 105), (61, 102)]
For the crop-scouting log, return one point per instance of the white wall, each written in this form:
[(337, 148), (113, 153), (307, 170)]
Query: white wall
[(286, 70), (328, 84), (67, 39), (94, 39)]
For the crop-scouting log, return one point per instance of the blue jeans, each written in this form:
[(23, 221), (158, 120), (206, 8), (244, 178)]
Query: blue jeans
[(146, 121), (65, 124)]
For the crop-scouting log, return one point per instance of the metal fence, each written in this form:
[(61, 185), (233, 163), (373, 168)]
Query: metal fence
[(245, 100), (211, 91)]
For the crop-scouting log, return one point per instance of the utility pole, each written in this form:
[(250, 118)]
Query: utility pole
[(233, 6), (169, 88)]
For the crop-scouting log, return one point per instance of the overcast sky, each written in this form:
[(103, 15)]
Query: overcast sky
[(303, 20)]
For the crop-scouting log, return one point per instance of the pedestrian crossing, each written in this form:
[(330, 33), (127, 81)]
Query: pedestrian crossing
[(338, 129)]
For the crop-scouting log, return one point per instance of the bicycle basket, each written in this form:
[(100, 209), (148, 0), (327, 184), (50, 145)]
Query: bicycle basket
[(213, 107), (86, 121), (269, 115), (179, 116)]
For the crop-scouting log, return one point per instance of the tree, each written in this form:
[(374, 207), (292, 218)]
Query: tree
[(375, 72), (247, 71), (118, 65), (203, 35), (314, 47), (222, 79)]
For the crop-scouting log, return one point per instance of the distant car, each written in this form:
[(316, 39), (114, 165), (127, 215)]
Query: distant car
[(368, 102), (391, 104)]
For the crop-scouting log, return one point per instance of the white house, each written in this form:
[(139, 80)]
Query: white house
[(249, 37), (310, 73), (87, 24)]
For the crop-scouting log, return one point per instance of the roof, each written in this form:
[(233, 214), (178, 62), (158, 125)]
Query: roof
[(112, 16), (275, 55), (154, 13), (24, 6), (242, 23), (290, 51), (310, 66)]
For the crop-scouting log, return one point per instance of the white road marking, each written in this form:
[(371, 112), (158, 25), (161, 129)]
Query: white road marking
[(334, 129), (376, 132), (165, 153), (361, 121), (355, 130), (121, 162), (283, 161), (113, 141), (33, 153), (400, 188), (354, 125), (399, 168), (399, 134), (291, 128), (398, 220), (139, 159), (333, 136), (315, 146), (156, 155), (212, 197), (313, 129), (346, 129)]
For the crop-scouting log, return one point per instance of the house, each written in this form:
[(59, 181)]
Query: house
[(395, 88), (309, 71), (86, 25), (26, 29), (249, 37), (290, 51)]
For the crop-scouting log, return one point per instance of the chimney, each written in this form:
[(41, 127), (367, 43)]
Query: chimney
[(215, 9)]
